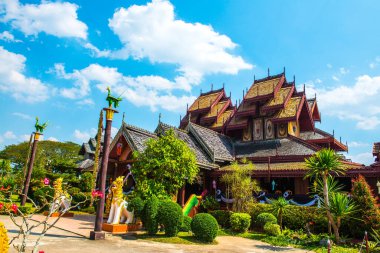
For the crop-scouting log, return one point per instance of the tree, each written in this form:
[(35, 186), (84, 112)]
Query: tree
[(279, 207), (239, 182), (322, 164), (368, 212), (341, 206), (164, 166)]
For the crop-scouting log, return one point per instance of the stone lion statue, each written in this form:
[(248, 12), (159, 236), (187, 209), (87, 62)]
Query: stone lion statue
[(118, 211)]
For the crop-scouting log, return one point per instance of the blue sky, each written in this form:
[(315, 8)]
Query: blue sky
[(57, 57)]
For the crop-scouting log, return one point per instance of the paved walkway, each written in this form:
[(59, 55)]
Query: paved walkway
[(71, 235)]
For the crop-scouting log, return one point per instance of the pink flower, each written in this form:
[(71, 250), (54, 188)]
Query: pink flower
[(46, 181), (14, 208), (96, 194), (41, 251), (1, 205)]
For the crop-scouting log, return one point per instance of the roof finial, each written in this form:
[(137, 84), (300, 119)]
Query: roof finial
[(212, 86), (284, 70), (189, 117), (294, 79), (304, 89), (315, 96), (243, 93), (268, 72), (123, 117), (254, 78), (246, 89), (159, 118), (236, 102), (340, 139), (201, 91), (230, 94), (187, 106), (180, 118), (223, 85), (333, 132)]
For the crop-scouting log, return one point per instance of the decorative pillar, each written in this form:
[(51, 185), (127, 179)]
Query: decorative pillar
[(183, 195), (30, 168), (98, 234)]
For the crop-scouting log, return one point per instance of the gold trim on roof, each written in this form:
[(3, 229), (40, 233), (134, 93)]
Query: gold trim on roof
[(262, 88), (216, 109), (280, 97), (222, 118), (290, 109), (204, 101)]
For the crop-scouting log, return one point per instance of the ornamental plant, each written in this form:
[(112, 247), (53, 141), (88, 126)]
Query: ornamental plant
[(205, 227), (222, 217), (186, 224), (4, 240), (272, 229), (149, 217), (170, 215), (240, 222), (265, 218)]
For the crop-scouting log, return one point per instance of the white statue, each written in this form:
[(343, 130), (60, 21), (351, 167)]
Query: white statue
[(118, 211)]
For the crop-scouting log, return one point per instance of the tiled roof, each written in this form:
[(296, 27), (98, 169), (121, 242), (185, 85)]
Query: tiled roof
[(218, 144), (244, 107), (311, 135), (216, 109), (262, 88), (376, 148), (280, 97), (222, 119), (311, 102), (85, 164), (138, 136), (205, 101), (238, 121), (290, 109), (280, 147)]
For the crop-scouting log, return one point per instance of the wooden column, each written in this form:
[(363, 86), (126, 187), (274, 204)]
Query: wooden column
[(183, 195)]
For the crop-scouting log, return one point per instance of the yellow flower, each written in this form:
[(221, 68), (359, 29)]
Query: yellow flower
[(3, 239)]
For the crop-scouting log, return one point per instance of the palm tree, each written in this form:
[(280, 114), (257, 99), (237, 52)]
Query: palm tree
[(279, 207), (341, 206), (322, 164)]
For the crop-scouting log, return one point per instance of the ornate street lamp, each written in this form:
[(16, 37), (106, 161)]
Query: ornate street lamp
[(98, 234), (36, 134)]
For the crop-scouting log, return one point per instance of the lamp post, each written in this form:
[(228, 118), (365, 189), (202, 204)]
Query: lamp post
[(98, 234), (37, 134)]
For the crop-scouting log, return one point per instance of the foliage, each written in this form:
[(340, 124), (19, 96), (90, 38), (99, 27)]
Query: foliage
[(73, 190), (86, 182), (97, 151), (136, 205), (209, 203), (279, 207), (43, 195), (186, 224), (205, 227), (149, 217), (272, 229), (368, 212), (3, 239), (322, 164), (5, 167), (82, 198), (222, 217), (341, 207), (265, 218), (164, 166), (240, 222), (170, 215), (332, 184), (241, 186)]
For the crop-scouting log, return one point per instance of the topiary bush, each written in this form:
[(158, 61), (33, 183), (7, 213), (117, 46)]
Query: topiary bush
[(205, 227), (186, 224), (265, 218), (222, 217), (240, 222), (149, 215), (170, 215), (4, 240), (272, 229), (136, 205)]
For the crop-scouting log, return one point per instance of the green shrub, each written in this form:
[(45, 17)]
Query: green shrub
[(210, 203), (265, 218), (81, 197), (240, 222), (25, 209), (90, 210), (186, 224), (73, 190), (85, 182), (170, 215), (272, 229), (205, 227), (222, 217), (149, 217), (43, 196), (137, 206)]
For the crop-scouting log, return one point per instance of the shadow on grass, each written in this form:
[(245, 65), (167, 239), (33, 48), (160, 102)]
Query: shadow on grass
[(181, 238)]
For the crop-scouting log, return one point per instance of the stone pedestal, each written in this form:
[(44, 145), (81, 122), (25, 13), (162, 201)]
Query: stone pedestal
[(95, 235), (115, 228), (56, 214)]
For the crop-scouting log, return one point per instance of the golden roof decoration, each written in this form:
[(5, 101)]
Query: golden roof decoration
[(290, 109), (222, 118), (280, 97), (262, 88), (216, 109), (204, 101)]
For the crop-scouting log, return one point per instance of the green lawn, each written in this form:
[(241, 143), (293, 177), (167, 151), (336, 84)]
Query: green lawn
[(181, 238)]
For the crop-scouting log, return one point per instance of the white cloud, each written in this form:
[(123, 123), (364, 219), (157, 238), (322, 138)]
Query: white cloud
[(364, 158), (152, 91), (335, 78), (52, 139), (114, 131), (344, 71), (153, 32), (8, 37), (357, 144), (328, 65), (55, 18), (26, 137), (87, 101), (22, 115), (351, 102), (15, 83), (84, 136), (375, 63), (9, 135), (96, 51)]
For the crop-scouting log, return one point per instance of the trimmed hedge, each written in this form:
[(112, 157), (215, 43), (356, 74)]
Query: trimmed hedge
[(205, 227), (272, 229), (136, 205), (265, 218), (296, 218), (222, 217), (186, 224), (170, 215), (149, 217), (240, 222)]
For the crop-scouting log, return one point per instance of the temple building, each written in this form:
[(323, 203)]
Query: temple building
[(273, 127)]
